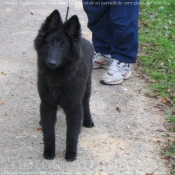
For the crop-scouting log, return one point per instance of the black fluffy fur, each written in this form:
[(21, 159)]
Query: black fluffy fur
[(64, 79)]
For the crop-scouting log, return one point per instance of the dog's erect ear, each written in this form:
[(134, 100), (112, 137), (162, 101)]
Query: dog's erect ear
[(72, 27), (53, 21)]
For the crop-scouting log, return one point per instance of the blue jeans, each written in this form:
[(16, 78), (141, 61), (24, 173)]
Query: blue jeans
[(114, 26)]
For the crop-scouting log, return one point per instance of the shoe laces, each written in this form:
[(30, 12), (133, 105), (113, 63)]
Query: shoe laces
[(95, 56), (114, 67), (117, 66)]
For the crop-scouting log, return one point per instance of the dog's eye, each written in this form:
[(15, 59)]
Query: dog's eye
[(50, 42)]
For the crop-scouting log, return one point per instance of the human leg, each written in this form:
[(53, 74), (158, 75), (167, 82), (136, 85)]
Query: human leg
[(100, 25), (124, 46)]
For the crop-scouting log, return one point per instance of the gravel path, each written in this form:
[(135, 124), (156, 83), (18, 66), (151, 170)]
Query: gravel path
[(125, 141)]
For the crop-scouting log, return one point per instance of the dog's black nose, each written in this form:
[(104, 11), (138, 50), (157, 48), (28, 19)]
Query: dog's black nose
[(52, 63)]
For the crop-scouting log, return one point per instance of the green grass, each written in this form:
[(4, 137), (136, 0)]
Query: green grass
[(157, 44), (170, 148)]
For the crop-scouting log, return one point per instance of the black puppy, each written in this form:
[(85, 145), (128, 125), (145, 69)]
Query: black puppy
[(64, 79)]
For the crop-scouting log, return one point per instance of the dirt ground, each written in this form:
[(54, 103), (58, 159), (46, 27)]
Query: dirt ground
[(126, 141)]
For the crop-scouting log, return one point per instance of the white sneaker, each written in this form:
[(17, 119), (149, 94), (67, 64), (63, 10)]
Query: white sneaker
[(101, 61), (116, 73)]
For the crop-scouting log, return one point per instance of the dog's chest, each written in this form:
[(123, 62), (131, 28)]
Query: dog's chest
[(56, 94), (63, 89), (64, 94)]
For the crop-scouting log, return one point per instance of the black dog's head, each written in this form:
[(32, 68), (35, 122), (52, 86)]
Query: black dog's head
[(58, 43)]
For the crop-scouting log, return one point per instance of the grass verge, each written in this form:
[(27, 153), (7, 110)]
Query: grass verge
[(157, 41), (157, 44), (169, 151)]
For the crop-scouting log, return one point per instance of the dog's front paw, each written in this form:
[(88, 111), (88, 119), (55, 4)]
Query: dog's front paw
[(49, 154), (70, 156), (88, 123)]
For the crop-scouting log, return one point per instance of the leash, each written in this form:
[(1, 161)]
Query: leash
[(68, 6)]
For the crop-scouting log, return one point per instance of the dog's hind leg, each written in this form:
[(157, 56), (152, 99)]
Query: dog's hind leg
[(87, 119), (74, 115), (48, 117)]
